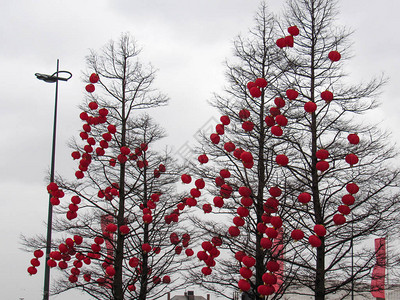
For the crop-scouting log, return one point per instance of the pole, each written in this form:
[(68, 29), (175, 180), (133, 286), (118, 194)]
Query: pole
[(352, 259), (50, 212)]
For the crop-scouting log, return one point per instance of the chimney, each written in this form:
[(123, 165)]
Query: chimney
[(190, 295), (208, 297)]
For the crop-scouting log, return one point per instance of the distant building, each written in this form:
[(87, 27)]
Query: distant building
[(189, 295)]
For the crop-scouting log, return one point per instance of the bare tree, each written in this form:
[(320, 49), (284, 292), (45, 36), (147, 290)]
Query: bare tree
[(125, 241), (350, 186)]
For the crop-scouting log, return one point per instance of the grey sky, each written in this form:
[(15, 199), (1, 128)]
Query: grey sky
[(186, 40)]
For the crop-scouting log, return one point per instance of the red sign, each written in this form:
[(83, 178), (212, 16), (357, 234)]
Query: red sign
[(378, 273)]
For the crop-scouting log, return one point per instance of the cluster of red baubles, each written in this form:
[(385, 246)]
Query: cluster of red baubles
[(270, 207), (175, 240), (35, 262), (55, 192), (94, 78), (352, 188), (276, 120), (322, 165), (209, 253), (288, 41), (255, 88)]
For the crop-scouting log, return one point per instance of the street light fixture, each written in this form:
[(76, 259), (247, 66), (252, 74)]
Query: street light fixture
[(55, 77)]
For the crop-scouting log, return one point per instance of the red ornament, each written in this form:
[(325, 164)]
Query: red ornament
[(255, 92), (353, 138), (248, 261), (218, 201), (124, 229), (276, 130), (297, 234), (244, 191), (269, 120), (266, 243), (79, 174), (274, 111), (111, 129), (90, 88), (248, 126), (281, 120), (292, 94), (314, 241), (245, 272), (195, 193), (244, 285), (279, 102), (93, 105), (272, 266), (52, 263), (94, 78), (219, 128), (322, 166), (186, 178), (84, 116), (348, 199), (281, 42), (203, 159), (76, 155), (110, 271), (206, 271), (269, 278), (261, 82), (352, 188), (111, 227), (214, 138), (225, 120), (265, 290), (320, 230), (327, 96), (225, 173), (166, 279), (207, 208), (276, 221), (344, 209), (238, 221), (282, 160), (293, 30), (322, 154), (199, 183), (275, 191), (246, 157), (234, 231), (32, 270), (334, 56), (229, 146), (339, 219), (246, 201), (244, 114), (38, 253), (125, 150), (289, 41), (310, 107), (189, 252), (191, 202), (304, 198), (146, 248), (250, 85), (351, 159)]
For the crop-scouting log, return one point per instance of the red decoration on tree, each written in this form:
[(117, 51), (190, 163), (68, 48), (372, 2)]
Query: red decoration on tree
[(225, 120), (348, 199), (327, 96), (94, 78), (244, 114), (261, 82), (248, 126), (352, 188), (344, 209), (203, 159), (292, 94), (276, 130), (186, 178), (322, 154), (234, 231), (293, 30), (281, 43), (339, 219), (320, 230), (272, 266), (269, 120), (334, 56), (218, 202), (215, 138), (289, 41), (282, 160), (314, 241), (244, 285), (255, 92), (353, 138), (90, 88), (93, 105), (281, 120), (297, 234), (310, 107), (351, 159), (322, 166)]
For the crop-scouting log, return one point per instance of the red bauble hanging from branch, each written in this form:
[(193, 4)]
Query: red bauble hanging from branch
[(353, 138), (293, 30), (327, 96), (292, 94), (334, 56)]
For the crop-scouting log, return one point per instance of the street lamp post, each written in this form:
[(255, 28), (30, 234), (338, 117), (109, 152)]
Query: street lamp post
[(55, 77)]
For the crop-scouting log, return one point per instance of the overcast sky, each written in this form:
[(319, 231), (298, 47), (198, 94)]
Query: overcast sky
[(186, 40)]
